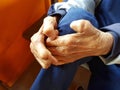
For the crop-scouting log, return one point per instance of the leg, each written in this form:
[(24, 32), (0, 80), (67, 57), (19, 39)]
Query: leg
[(104, 77), (55, 78), (60, 77)]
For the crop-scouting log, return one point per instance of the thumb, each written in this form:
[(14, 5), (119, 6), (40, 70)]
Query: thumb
[(80, 25), (49, 27), (49, 31)]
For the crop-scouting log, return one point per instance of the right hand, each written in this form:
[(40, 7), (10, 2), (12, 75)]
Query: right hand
[(37, 45), (87, 41)]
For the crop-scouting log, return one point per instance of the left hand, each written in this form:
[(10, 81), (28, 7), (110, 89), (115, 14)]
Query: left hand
[(39, 50), (37, 45), (88, 41)]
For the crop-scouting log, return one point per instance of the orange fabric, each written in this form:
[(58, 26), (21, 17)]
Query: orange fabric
[(15, 17)]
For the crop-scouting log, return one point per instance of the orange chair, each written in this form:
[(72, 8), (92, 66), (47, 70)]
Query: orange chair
[(15, 17)]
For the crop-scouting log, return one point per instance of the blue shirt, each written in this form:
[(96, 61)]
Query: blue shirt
[(108, 18)]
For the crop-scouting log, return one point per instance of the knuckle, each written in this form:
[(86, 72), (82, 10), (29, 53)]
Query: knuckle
[(47, 30), (84, 23), (70, 41), (33, 38), (64, 51), (47, 19), (44, 55)]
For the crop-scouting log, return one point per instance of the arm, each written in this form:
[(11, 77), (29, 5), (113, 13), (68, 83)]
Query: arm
[(88, 41), (37, 41), (114, 56)]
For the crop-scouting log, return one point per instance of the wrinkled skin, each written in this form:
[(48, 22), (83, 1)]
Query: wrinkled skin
[(58, 50)]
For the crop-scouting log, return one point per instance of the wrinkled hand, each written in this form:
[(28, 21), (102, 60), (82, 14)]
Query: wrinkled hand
[(88, 41), (49, 27), (37, 45)]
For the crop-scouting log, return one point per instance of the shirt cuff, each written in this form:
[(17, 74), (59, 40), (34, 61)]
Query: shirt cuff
[(110, 62), (114, 56)]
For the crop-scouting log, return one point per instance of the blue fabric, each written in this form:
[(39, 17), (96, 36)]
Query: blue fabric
[(52, 12), (107, 77), (72, 15), (103, 77), (109, 20), (114, 28), (60, 77)]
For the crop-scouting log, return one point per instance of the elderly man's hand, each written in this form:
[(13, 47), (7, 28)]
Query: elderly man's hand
[(88, 41), (37, 45), (49, 27)]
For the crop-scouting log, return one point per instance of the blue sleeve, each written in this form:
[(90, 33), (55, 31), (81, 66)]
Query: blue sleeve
[(114, 29), (62, 7), (52, 11)]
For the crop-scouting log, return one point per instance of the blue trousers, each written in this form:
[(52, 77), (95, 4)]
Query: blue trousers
[(60, 77)]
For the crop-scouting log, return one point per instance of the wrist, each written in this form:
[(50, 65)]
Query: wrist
[(106, 42)]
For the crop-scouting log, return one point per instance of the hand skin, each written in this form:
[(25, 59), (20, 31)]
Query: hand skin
[(49, 27), (37, 45), (88, 41)]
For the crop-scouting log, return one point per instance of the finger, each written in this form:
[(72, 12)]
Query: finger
[(41, 29), (68, 59), (43, 52), (67, 50), (41, 49), (49, 31), (37, 45), (60, 41), (37, 42), (61, 51), (49, 27), (44, 63), (53, 35), (79, 25)]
